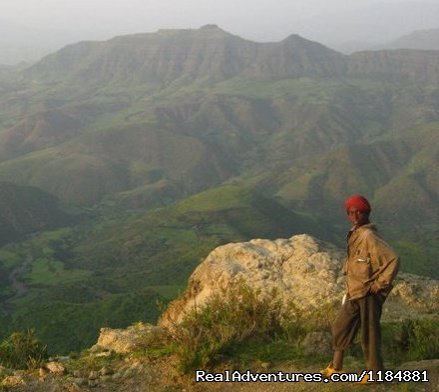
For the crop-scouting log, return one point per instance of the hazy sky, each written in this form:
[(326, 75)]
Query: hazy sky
[(326, 21), (261, 19)]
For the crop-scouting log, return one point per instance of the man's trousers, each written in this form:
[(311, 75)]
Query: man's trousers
[(364, 314)]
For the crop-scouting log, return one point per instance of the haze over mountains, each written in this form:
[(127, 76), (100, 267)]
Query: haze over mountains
[(20, 43), (171, 143), (420, 39)]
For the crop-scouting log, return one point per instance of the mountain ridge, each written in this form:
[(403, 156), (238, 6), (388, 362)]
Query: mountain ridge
[(224, 100), (167, 55), (425, 39), (212, 54)]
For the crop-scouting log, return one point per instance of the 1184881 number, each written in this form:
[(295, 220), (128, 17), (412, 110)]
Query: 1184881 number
[(398, 375)]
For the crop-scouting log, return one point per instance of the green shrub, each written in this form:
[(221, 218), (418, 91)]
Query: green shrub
[(22, 350), (230, 318), (84, 362), (423, 342), (410, 340)]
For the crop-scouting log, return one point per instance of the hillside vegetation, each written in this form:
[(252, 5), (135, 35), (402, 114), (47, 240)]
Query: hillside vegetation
[(24, 210), (172, 143)]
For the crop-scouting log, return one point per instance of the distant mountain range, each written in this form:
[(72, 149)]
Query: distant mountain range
[(20, 44), (177, 112), (419, 40), (182, 56), (175, 142)]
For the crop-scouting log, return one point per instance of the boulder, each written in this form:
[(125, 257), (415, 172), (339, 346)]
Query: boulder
[(135, 337), (55, 367), (302, 270), (12, 381)]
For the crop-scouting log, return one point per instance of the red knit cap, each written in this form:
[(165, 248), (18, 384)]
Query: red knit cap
[(359, 202)]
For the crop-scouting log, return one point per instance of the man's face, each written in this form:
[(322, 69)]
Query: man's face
[(357, 217)]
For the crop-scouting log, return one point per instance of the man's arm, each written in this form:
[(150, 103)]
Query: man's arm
[(385, 260)]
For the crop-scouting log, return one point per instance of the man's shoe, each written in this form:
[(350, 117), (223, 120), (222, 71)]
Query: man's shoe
[(328, 371), (365, 380)]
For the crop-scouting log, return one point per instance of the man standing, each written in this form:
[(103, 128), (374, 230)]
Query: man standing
[(370, 268)]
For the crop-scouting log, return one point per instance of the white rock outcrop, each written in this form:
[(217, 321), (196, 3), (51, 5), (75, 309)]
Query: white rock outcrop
[(301, 269), (126, 340)]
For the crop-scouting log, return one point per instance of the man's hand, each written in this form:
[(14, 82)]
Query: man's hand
[(375, 288)]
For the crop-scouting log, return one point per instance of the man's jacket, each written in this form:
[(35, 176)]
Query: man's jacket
[(369, 260)]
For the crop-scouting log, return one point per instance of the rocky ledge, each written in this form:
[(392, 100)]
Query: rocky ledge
[(301, 269)]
